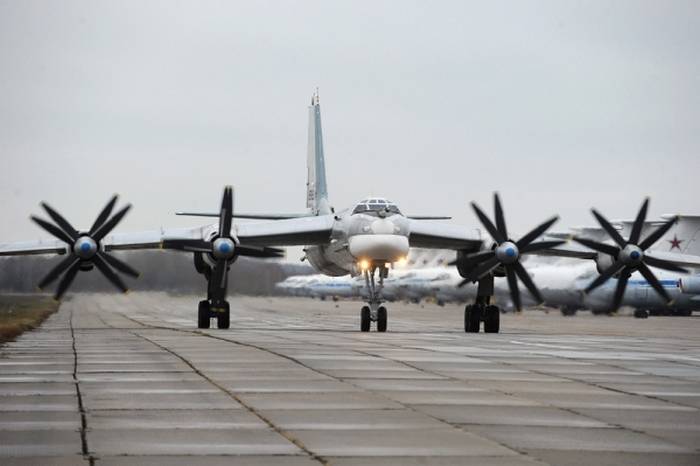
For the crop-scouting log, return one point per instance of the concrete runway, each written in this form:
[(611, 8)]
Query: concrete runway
[(129, 380)]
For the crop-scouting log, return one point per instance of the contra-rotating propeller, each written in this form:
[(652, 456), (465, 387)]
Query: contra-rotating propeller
[(629, 256), (507, 252), (84, 248), (222, 246)]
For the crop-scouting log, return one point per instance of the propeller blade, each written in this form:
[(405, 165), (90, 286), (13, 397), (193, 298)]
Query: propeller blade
[(67, 280), (119, 265), (226, 213), (493, 231), (58, 270), (612, 232), (513, 287), (109, 225), (654, 282), (639, 222), (541, 245), (260, 252), (536, 232), (527, 281), (60, 221), (104, 214), (109, 273), (480, 270), (53, 229), (476, 258), (608, 249), (657, 234), (500, 220), (603, 277), (190, 245), (620, 289), (664, 264)]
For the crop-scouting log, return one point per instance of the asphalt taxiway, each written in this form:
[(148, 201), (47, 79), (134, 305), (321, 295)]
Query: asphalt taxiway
[(129, 380)]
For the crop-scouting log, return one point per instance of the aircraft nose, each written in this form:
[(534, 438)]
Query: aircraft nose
[(383, 226), (380, 247)]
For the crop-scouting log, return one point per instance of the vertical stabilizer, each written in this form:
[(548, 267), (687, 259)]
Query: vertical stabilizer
[(684, 237), (316, 191)]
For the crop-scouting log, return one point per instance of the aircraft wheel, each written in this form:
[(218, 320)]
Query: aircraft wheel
[(364, 319), (472, 318), (203, 315), (381, 319), (492, 319), (467, 316), (223, 319), (641, 314)]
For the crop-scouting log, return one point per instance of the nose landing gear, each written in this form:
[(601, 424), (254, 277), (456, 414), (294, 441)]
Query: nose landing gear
[(374, 311)]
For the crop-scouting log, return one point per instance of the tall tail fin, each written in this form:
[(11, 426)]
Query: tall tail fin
[(316, 190), (684, 237)]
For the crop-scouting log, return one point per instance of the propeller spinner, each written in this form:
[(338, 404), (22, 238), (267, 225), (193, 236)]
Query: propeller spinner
[(84, 247), (629, 255)]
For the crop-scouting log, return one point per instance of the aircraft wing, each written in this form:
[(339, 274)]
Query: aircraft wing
[(287, 232), (568, 249), (115, 242), (26, 248), (149, 239), (426, 234), (577, 251)]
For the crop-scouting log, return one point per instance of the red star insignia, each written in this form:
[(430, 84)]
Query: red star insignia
[(675, 243)]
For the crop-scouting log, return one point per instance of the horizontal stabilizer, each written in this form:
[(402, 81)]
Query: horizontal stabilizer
[(247, 216)]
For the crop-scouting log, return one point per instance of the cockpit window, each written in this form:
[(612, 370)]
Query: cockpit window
[(375, 207)]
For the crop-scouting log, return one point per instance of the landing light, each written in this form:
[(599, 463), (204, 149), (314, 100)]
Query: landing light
[(401, 261), (364, 264)]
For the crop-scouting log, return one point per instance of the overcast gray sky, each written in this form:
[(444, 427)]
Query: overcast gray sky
[(558, 105)]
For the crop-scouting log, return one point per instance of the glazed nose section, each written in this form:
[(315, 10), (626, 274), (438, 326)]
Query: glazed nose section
[(381, 243)]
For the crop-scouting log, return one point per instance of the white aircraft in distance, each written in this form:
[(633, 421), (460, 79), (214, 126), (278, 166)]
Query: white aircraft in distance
[(366, 240), (561, 286)]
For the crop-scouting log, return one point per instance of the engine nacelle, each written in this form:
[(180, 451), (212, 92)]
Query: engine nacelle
[(461, 266), (603, 262), (690, 285), (465, 267), (316, 256)]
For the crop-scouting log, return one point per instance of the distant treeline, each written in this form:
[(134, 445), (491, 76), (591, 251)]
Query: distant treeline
[(160, 270)]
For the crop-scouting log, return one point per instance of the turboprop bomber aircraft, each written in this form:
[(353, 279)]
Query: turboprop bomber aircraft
[(364, 240)]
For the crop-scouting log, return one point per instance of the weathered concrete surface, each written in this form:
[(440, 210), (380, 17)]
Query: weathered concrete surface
[(129, 380)]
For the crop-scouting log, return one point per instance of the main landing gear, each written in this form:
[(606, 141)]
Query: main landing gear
[(215, 306), (221, 312), (483, 310), (374, 311), (474, 314)]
